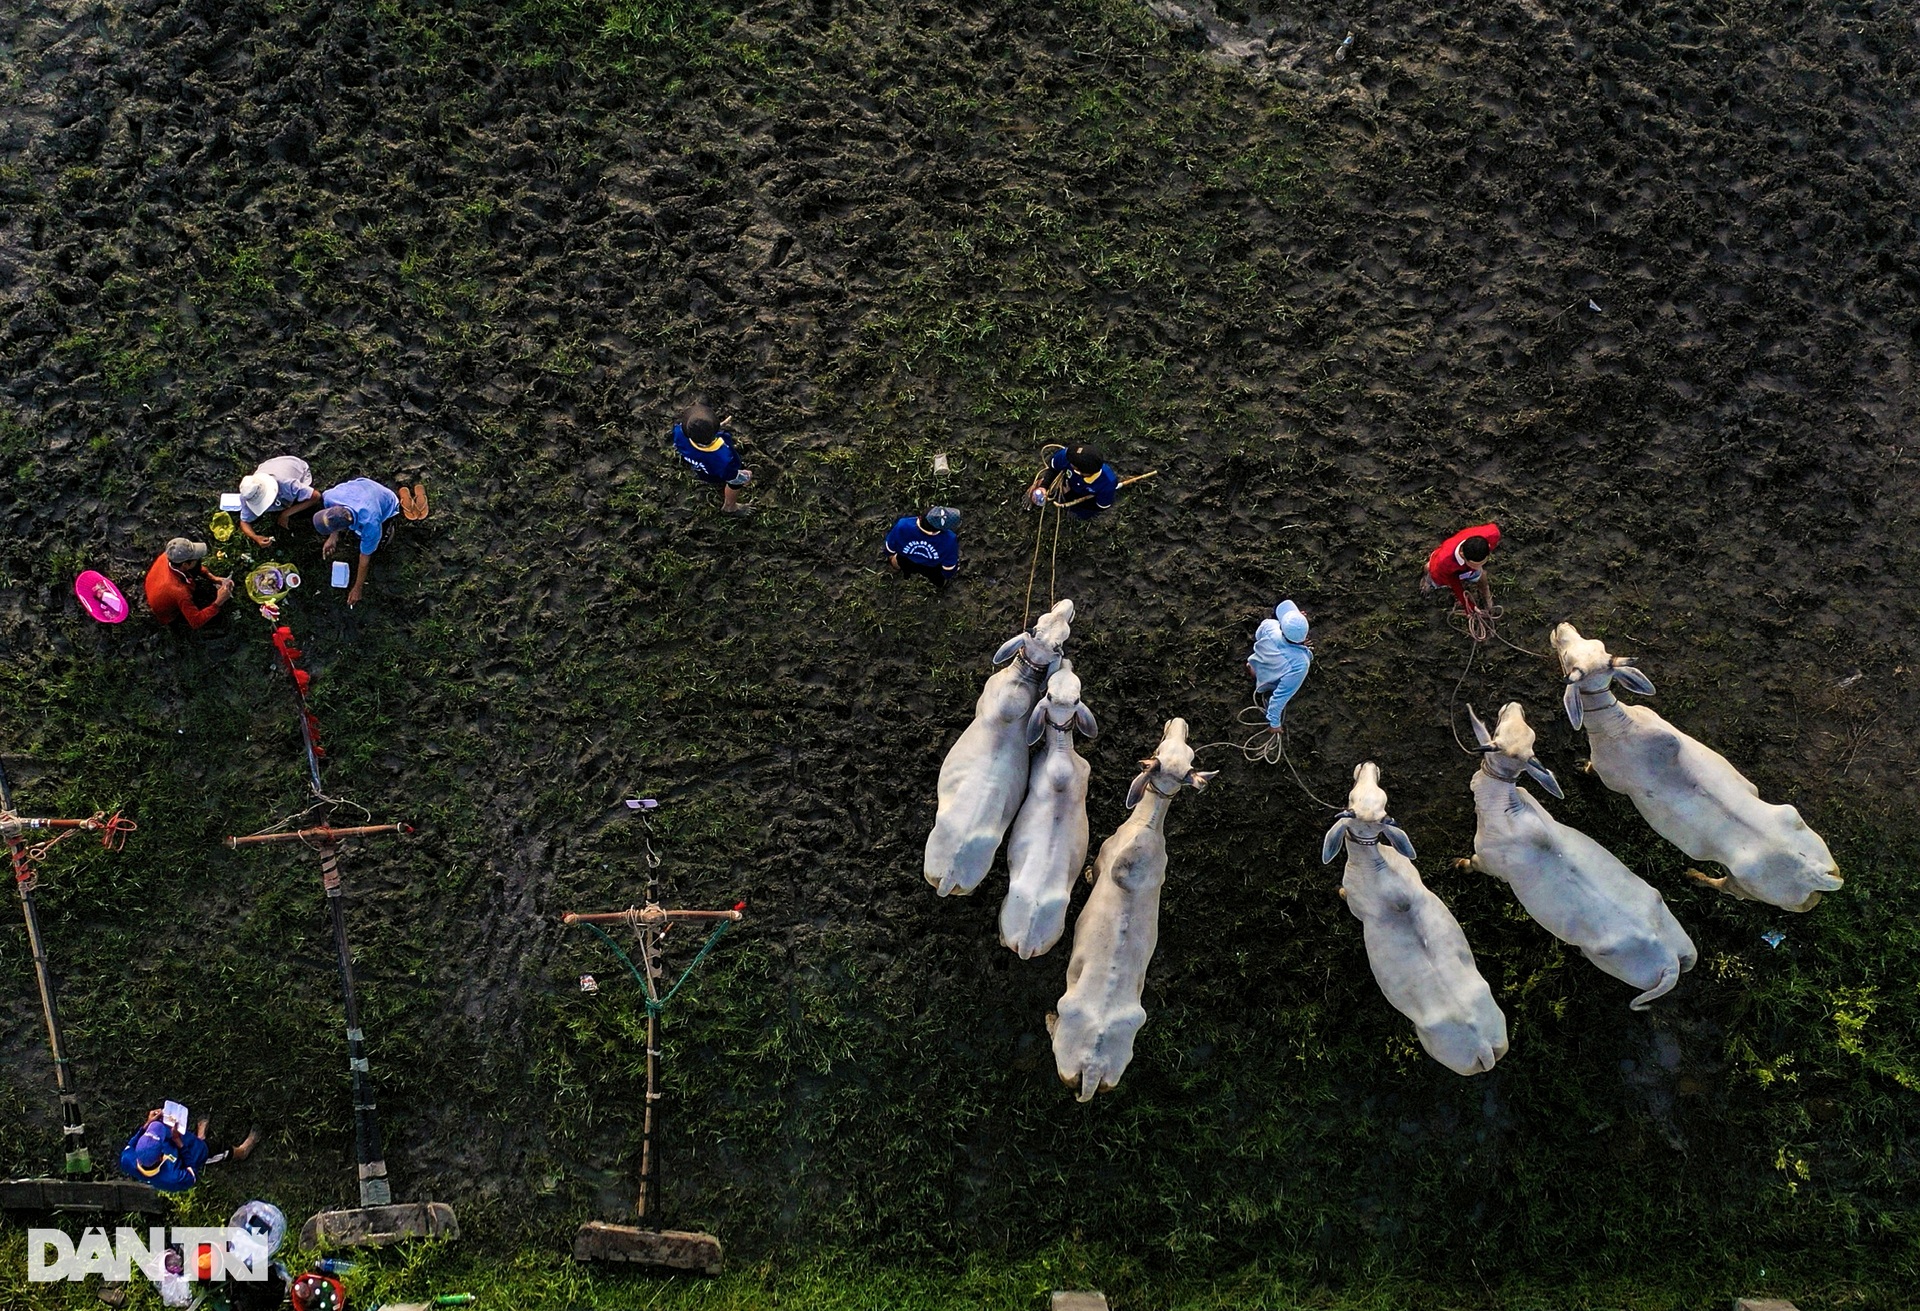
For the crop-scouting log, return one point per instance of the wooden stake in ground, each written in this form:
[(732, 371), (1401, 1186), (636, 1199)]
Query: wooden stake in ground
[(34, 1194), (676, 1249)]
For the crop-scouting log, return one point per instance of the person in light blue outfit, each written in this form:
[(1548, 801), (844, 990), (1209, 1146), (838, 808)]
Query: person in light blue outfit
[(360, 506), (1280, 660)]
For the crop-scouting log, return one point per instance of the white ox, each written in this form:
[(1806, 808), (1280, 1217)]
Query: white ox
[(1048, 845), (1577, 890), (1419, 955), (1687, 791), (984, 776), (1093, 1026)]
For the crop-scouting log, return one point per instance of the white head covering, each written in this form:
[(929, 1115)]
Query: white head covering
[(257, 492), (1293, 624)]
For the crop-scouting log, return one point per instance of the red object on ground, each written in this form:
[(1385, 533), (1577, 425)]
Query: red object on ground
[(1446, 571), (170, 597), (302, 680)]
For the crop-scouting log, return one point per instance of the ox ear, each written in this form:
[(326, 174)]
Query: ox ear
[(1089, 726), (1009, 648), (1396, 835), (1632, 679), (1198, 779), (1571, 700), (1138, 788), (1480, 734), (1037, 721), (1545, 775), (1336, 836)]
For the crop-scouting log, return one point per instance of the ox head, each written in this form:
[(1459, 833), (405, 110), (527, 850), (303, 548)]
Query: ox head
[(1040, 646), (1507, 752), (1365, 817), (1061, 706), (1796, 871), (1589, 668), (1170, 766)]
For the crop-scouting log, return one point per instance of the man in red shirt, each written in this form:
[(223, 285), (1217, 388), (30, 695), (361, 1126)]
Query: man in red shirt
[(177, 582), (1460, 563)]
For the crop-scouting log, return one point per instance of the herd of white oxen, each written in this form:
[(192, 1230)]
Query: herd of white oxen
[(1572, 886)]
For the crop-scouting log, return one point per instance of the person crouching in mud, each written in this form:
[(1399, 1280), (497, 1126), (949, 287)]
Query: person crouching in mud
[(926, 545), (359, 506), (709, 450), (1080, 481), (1280, 660), (1460, 564)]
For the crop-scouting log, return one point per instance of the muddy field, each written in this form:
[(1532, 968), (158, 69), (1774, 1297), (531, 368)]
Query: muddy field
[(1639, 281)]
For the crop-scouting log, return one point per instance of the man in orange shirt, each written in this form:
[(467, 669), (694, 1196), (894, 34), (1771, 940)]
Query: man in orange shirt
[(179, 586)]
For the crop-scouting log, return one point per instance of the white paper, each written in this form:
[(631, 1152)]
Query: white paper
[(175, 1115), (341, 574), (230, 502)]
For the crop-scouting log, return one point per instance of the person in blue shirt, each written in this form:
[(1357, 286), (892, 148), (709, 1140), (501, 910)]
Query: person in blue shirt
[(361, 507), (709, 450), (170, 1161), (1078, 474), (1280, 660), (926, 545)]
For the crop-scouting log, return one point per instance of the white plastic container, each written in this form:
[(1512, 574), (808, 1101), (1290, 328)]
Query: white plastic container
[(230, 502), (342, 575)]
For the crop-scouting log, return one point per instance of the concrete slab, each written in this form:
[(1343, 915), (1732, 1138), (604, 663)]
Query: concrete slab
[(1079, 1302)]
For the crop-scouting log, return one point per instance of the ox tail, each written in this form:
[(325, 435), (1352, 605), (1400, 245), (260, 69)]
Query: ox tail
[(1668, 977)]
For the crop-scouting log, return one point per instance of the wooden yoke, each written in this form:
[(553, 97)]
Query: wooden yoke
[(371, 1160)]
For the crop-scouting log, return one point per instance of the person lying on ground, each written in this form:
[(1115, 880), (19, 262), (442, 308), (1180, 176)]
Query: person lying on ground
[(709, 450), (359, 506), (284, 483), (180, 587), (1080, 481), (926, 545), (1460, 565), (171, 1161), (1280, 660)]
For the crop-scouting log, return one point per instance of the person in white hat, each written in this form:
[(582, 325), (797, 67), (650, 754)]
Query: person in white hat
[(1280, 660), (284, 483)]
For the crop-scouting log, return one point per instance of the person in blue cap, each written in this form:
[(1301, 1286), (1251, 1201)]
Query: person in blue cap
[(709, 450), (359, 506), (169, 1160), (1081, 481), (1280, 660), (926, 545)]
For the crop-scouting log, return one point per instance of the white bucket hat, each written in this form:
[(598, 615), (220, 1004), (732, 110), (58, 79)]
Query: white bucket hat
[(257, 492)]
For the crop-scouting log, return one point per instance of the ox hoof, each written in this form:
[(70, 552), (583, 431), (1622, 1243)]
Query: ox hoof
[(1584, 766), (1463, 864), (1718, 885)]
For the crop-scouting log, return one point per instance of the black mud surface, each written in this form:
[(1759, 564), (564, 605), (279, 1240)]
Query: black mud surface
[(1637, 280)]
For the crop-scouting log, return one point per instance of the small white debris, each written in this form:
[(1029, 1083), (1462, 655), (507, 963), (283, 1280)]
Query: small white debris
[(589, 984), (1345, 46), (1595, 308), (1773, 937), (940, 464)]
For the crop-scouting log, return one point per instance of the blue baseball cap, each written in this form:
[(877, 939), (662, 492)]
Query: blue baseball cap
[(941, 517)]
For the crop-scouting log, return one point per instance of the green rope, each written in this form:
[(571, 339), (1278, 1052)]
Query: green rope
[(658, 1006)]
